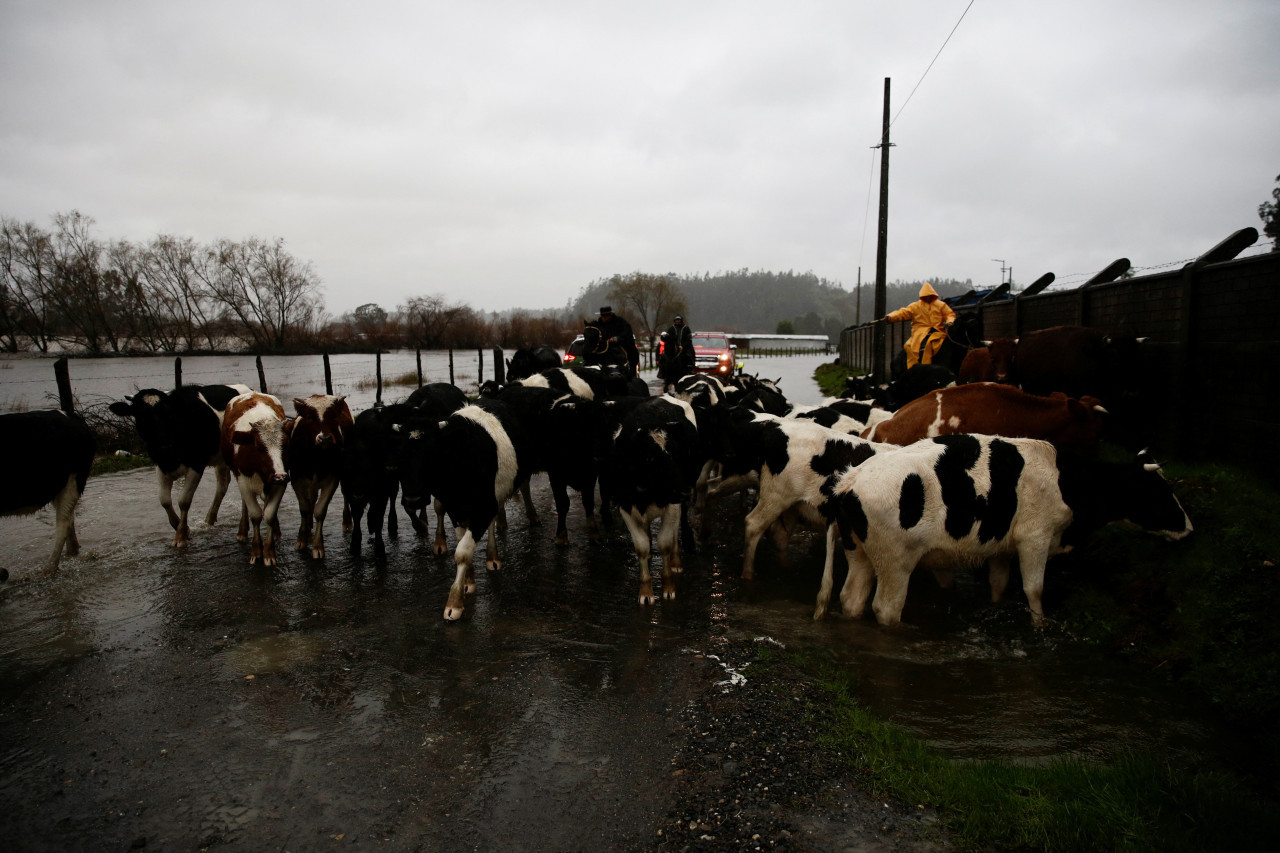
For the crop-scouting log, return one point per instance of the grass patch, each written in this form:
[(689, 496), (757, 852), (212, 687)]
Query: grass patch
[(831, 377), (410, 378), (112, 463), (1139, 802)]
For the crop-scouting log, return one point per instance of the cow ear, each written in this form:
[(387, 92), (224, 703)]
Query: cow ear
[(299, 404), (120, 408)]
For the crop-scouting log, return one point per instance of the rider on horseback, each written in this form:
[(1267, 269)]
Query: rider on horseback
[(930, 318), (615, 331)]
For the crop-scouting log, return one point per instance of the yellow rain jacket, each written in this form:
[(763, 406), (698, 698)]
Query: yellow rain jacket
[(927, 322)]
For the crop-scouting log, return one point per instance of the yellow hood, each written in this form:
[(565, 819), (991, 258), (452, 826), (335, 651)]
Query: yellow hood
[(926, 289)]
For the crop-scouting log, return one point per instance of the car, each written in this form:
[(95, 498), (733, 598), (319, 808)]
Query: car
[(573, 352), (712, 353)]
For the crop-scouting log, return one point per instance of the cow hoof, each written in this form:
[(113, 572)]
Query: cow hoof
[(452, 614), (562, 541), (440, 549), (301, 546), (669, 592), (646, 594), (493, 565), (317, 553)]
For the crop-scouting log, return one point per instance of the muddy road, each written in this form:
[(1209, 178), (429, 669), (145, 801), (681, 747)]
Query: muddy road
[(181, 699)]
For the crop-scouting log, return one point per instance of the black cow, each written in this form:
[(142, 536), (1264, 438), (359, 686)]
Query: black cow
[(472, 462), (182, 432), (654, 463), (370, 475), (526, 362), (50, 454)]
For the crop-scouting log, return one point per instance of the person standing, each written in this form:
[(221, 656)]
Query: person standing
[(930, 318), (677, 351)]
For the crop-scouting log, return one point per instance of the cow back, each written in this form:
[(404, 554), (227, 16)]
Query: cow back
[(46, 449)]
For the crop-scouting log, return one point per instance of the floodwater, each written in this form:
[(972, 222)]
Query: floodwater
[(183, 698)]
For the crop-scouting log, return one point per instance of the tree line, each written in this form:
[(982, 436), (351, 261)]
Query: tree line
[(63, 288)]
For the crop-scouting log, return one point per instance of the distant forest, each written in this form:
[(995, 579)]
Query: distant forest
[(757, 301)]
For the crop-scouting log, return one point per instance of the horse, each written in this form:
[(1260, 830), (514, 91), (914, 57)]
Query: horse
[(598, 352), (672, 366)]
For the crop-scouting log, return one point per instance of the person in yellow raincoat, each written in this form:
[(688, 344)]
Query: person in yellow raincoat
[(930, 318)]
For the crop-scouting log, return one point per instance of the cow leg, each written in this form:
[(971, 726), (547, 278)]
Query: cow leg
[(1032, 557), (828, 575), (441, 546), (700, 500), (762, 515), (588, 496), (639, 531), (893, 574), (222, 480), (322, 510), (305, 491), (347, 520), (464, 581), (389, 506), (189, 484), (560, 491), (492, 562), (64, 526), (530, 512), (271, 498), (687, 539), (998, 575), (356, 510), (166, 497), (669, 546), (378, 505), (857, 585)]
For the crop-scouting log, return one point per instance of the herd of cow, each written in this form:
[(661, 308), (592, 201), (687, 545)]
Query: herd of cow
[(960, 475)]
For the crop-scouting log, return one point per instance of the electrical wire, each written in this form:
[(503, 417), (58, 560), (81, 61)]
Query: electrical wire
[(935, 59)]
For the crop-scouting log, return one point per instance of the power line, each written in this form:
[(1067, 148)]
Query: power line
[(935, 59)]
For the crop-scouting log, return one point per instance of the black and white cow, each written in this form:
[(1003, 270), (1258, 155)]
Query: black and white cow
[(50, 454), (439, 400), (471, 462), (958, 500), (795, 460), (525, 362), (653, 466), (847, 416), (182, 430), (561, 430)]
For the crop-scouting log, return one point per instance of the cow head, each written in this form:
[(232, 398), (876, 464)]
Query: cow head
[(159, 424), (322, 420)]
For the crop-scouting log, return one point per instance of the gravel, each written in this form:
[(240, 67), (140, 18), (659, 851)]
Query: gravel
[(750, 773)]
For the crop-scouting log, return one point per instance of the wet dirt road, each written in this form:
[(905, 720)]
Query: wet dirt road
[(179, 700)]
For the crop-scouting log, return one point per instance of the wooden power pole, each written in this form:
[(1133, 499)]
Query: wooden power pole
[(879, 374)]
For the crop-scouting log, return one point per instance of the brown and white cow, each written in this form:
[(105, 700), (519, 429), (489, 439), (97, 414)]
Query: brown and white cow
[(987, 408), (255, 443), (315, 462)]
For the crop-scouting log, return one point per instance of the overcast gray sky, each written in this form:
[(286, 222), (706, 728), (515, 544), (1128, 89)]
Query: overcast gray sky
[(504, 154)]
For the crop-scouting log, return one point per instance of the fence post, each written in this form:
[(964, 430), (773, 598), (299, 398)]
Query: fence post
[(451, 382), (419, 367), (479, 367), (62, 374), (177, 372), (328, 376), (262, 376), (377, 400), (499, 366)]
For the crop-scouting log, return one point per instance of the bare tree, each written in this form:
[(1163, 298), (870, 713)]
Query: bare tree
[(178, 285), (427, 320), (270, 293), (26, 263), (88, 299), (648, 299)]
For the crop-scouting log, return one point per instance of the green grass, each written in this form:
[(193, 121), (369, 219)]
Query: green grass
[(1138, 802), (410, 378), (830, 378), (112, 464)]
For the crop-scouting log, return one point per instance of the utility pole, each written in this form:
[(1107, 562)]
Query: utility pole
[(878, 373), (857, 301), (1003, 270)]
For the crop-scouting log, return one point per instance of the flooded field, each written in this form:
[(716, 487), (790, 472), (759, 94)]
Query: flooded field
[(186, 699)]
